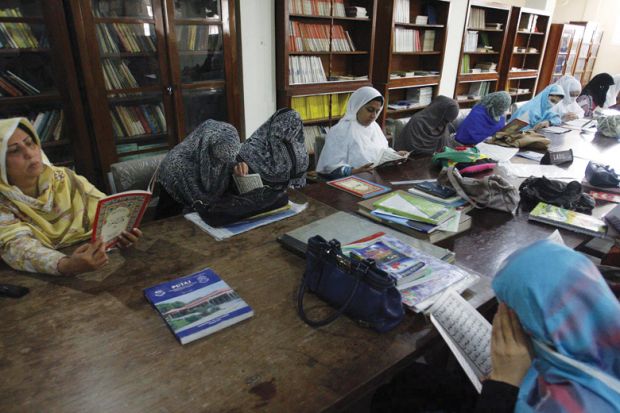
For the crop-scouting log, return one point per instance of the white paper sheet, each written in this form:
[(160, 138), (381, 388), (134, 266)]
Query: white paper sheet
[(523, 170), (499, 153)]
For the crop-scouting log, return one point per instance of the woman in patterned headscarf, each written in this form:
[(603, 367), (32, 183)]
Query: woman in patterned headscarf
[(594, 94), (44, 208), (428, 130), (486, 118)]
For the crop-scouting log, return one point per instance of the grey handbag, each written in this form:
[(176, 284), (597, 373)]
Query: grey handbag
[(492, 191)]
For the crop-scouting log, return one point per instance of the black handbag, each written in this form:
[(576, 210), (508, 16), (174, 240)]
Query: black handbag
[(602, 176), (565, 195), (354, 287), (233, 208)]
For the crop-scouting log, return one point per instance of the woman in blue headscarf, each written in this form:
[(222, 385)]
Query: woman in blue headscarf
[(539, 112), (486, 118), (572, 320)]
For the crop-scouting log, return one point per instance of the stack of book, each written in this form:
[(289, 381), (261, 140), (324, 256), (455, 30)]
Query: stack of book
[(310, 7), (417, 215), (199, 37), (486, 66), (48, 125), (120, 37), (477, 18), (471, 41), (137, 120), (117, 75), (402, 11), (13, 85), (320, 106), (478, 89), (407, 40), (306, 69), (16, 35), (357, 12)]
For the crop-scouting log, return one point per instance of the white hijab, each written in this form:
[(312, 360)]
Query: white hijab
[(568, 104), (612, 92), (349, 142)]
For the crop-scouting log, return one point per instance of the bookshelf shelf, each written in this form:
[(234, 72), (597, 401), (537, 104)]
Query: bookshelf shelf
[(25, 19), (27, 100), (61, 142), (318, 17), (531, 33), (143, 151), (482, 53), (417, 53), (340, 86), (328, 53), (476, 77), (200, 22), (123, 20), (141, 138), (472, 29), (127, 54), (406, 111), (420, 26), (560, 53), (402, 82), (20, 50)]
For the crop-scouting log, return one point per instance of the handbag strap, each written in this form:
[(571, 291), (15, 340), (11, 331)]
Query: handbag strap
[(458, 188), (329, 319)]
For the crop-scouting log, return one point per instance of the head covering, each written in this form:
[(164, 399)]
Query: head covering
[(276, 150), (568, 104), (597, 88), (349, 142), (200, 167), (612, 92), (427, 131), (570, 314), (62, 212), (609, 126), (496, 104), (540, 108)]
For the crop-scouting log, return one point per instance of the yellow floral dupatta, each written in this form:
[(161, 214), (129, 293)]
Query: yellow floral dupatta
[(61, 215)]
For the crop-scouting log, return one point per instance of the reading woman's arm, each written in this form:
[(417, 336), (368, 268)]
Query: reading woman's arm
[(25, 253)]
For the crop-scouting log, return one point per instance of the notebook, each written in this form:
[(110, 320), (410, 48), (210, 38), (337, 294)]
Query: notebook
[(567, 219)]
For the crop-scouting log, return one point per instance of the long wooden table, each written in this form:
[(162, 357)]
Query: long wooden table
[(93, 343)]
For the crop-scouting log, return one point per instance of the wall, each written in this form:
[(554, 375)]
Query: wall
[(607, 14)]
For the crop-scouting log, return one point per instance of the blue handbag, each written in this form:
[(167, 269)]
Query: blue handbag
[(354, 287)]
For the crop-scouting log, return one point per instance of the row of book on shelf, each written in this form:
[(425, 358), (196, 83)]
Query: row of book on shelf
[(12, 85), (402, 13), (414, 97), (476, 91), (137, 120), (18, 35), (307, 37), (320, 106), (306, 69), (199, 37), (528, 24), (477, 42), (408, 40), (480, 67), (317, 7), (117, 75), (121, 37), (48, 125), (311, 134)]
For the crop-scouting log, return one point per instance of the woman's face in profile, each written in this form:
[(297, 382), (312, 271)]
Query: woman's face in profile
[(368, 113)]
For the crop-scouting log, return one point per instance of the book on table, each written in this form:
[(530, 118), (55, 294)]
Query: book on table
[(567, 219), (358, 186), (197, 305), (414, 207), (118, 213)]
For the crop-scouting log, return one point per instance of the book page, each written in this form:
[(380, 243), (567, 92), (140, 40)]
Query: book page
[(467, 334), (247, 183), (556, 129), (118, 213), (388, 155)]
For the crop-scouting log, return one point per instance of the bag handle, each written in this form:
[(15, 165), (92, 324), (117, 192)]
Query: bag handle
[(459, 189)]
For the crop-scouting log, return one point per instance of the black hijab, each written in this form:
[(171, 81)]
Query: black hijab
[(597, 88)]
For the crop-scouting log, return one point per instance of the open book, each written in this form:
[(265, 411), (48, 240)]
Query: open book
[(389, 156), (248, 182), (516, 124), (467, 333), (117, 213)]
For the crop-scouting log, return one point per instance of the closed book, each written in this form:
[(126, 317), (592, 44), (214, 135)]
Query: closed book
[(358, 186), (567, 219), (197, 305), (414, 207)]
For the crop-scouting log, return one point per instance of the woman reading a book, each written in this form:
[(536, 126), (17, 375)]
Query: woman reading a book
[(44, 208), (594, 94), (486, 118), (568, 109), (539, 112), (428, 130), (356, 141)]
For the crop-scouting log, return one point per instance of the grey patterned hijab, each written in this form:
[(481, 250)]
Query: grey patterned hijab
[(276, 150), (496, 103), (200, 167), (427, 131)]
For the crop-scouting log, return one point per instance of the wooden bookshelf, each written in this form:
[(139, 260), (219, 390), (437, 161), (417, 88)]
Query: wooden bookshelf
[(482, 51), (322, 56), (43, 86), (560, 53), (154, 70), (525, 46), (588, 51), (405, 68)]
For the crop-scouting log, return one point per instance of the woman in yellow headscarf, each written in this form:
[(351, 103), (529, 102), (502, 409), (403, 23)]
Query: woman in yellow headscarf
[(43, 208)]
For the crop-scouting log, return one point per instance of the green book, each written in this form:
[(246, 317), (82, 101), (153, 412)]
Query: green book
[(414, 207), (465, 64), (567, 219)]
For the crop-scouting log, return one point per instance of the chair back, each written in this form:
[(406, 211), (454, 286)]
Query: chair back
[(319, 143), (133, 174)]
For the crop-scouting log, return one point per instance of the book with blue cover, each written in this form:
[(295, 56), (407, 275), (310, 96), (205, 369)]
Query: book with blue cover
[(197, 305)]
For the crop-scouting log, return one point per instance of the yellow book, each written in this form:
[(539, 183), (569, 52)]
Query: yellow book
[(299, 104)]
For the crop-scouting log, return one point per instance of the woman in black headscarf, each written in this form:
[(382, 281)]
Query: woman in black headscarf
[(427, 131), (594, 93)]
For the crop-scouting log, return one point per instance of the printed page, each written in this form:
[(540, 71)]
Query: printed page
[(388, 155), (496, 152), (398, 203), (248, 182), (467, 334)]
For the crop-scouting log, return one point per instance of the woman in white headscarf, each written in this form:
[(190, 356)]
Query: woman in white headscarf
[(356, 141), (613, 92), (568, 109)]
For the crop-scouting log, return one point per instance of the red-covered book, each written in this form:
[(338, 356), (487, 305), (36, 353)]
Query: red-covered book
[(117, 213)]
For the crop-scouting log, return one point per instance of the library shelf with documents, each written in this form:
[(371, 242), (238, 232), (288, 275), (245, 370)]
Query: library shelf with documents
[(38, 80), (482, 49), (560, 53), (407, 65), (155, 70), (324, 52), (588, 50), (525, 46)]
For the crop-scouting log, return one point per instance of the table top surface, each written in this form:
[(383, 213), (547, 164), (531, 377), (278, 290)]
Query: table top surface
[(93, 343)]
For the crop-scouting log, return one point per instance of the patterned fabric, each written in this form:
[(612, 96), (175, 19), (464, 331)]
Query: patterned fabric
[(496, 104), (200, 167), (562, 301), (610, 126), (427, 131), (61, 215), (540, 108), (276, 150), (586, 104)]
